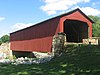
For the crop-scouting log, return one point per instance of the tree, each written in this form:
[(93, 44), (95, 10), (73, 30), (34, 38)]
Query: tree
[(96, 25), (5, 38), (0, 42)]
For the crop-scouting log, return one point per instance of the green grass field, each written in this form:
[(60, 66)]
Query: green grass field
[(83, 60)]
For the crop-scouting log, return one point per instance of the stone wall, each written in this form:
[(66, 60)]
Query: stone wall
[(58, 43), (93, 41), (5, 50)]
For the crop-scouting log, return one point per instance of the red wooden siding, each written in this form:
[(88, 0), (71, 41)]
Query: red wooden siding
[(35, 38), (39, 37), (76, 16)]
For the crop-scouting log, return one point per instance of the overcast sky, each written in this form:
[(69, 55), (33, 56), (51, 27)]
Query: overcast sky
[(18, 14)]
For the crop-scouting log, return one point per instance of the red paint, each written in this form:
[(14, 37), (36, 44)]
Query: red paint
[(40, 45), (76, 16), (39, 37), (35, 38)]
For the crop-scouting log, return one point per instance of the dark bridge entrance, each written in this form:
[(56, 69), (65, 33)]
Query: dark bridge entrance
[(75, 30)]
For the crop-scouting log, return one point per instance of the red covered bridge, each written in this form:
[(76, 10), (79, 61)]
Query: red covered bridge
[(75, 24)]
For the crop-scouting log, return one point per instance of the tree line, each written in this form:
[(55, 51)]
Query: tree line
[(96, 25), (4, 39)]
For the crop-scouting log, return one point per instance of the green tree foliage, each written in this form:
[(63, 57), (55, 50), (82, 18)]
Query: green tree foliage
[(5, 38), (96, 25), (0, 42)]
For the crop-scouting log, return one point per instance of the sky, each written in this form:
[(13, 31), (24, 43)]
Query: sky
[(19, 14)]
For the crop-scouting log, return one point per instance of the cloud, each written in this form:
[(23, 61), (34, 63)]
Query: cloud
[(51, 12), (90, 11), (19, 26), (52, 6), (2, 18)]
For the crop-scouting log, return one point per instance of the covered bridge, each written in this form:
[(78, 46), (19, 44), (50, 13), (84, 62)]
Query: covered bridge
[(75, 24)]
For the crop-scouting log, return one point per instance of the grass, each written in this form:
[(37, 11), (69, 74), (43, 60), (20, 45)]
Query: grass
[(83, 60)]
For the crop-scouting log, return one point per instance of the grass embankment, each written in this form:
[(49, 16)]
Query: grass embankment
[(75, 60)]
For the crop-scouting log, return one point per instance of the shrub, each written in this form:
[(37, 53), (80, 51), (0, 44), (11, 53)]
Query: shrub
[(0, 42)]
